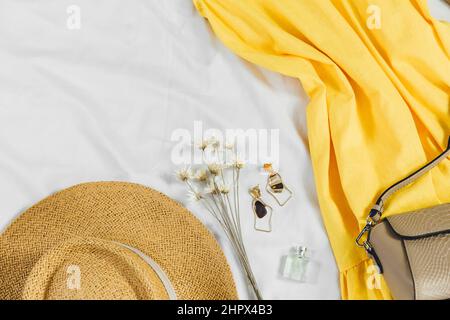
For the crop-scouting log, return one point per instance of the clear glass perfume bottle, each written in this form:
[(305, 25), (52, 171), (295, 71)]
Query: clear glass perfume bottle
[(296, 264)]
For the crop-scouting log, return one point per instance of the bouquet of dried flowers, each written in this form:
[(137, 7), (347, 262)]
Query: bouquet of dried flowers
[(215, 185)]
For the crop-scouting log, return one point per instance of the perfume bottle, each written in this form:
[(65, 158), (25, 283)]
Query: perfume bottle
[(296, 264)]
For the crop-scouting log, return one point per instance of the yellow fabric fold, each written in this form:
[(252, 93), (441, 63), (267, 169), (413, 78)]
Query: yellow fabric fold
[(363, 282), (377, 73)]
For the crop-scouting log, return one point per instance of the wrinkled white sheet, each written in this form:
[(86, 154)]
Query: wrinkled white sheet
[(101, 102)]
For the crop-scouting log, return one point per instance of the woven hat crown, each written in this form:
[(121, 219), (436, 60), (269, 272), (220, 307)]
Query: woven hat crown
[(90, 268), (93, 241)]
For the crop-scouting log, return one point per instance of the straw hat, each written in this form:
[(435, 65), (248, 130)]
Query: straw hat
[(111, 240)]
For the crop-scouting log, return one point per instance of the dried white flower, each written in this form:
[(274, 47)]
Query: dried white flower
[(184, 174), (214, 143), (229, 145), (239, 164), (202, 145), (211, 188), (194, 195), (223, 188), (201, 175), (214, 168)]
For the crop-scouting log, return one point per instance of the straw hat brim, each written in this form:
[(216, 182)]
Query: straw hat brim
[(128, 213)]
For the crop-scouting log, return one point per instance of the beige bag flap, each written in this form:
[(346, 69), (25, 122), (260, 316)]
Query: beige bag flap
[(422, 223)]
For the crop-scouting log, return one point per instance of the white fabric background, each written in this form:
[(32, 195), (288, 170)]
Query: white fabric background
[(100, 103)]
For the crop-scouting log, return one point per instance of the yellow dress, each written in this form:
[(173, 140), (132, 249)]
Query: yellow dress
[(377, 73)]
